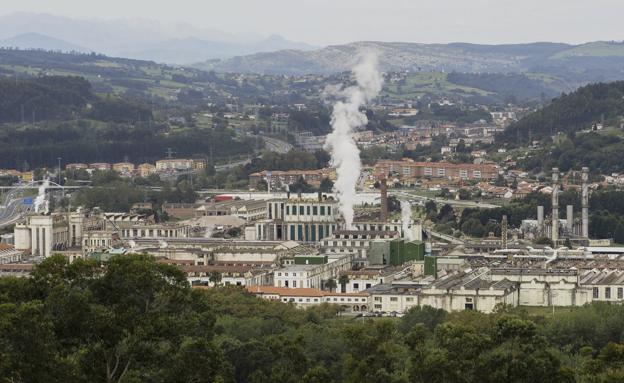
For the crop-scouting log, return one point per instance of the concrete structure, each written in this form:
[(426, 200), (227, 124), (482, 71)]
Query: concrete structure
[(312, 276), (585, 203), (8, 254), (144, 230), (41, 234), (383, 212), (277, 178), (299, 219), (555, 205), (569, 218), (356, 242), (456, 291), (303, 298)]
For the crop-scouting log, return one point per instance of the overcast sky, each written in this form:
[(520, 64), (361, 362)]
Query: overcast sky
[(324, 22)]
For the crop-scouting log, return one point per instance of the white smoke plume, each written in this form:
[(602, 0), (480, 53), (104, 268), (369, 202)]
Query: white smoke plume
[(406, 218), (346, 117), (41, 203)]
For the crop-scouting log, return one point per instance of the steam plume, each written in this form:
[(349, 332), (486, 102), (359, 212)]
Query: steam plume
[(40, 203), (346, 116), (406, 218)]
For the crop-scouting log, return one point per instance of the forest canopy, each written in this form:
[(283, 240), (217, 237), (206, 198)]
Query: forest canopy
[(136, 320)]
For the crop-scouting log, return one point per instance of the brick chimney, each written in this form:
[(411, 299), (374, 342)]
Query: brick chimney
[(383, 215)]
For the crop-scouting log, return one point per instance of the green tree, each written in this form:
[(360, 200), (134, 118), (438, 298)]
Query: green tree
[(330, 284), (342, 281)]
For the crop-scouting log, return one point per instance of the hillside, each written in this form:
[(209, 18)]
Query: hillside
[(597, 61), (91, 108), (566, 130), (570, 113)]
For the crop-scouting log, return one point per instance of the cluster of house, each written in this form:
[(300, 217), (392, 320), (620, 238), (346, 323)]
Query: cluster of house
[(167, 165), (25, 176), (278, 178)]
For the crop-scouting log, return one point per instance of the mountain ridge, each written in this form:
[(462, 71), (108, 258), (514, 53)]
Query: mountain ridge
[(553, 58)]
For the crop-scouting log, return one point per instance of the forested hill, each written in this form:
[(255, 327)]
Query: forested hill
[(34, 99), (572, 112), (50, 97)]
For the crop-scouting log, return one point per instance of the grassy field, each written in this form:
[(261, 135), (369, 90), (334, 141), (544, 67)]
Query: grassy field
[(595, 49), (547, 311), (421, 83)]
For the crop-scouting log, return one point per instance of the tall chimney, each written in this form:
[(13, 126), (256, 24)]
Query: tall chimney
[(540, 219), (383, 215), (569, 217), (504, 231), (585, 202), (555, 205)]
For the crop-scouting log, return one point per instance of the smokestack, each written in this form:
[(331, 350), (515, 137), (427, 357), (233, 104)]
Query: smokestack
[(569, 217), (383, 215), (540, 216), (504, 231), (555, 205), (585, 202), (406, 220)]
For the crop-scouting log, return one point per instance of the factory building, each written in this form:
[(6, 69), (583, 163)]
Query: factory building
[(298, 219), (42, 234), (556, 228)]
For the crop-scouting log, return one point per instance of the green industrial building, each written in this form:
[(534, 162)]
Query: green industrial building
[(310, 259)]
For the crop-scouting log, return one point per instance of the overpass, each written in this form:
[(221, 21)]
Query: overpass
[(445, 237)]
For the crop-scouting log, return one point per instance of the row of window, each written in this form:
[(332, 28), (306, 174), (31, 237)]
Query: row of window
[(308, 210), (308, 300), (394, 299), (607, 293), (463, 173)]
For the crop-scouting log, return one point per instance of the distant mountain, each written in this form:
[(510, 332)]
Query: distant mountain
[(190, 50), (38, 41), (597, 61), (177, 43)]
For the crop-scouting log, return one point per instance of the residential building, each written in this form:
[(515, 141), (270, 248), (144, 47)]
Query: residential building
[(145, 170), (408, 171), (277, 179)]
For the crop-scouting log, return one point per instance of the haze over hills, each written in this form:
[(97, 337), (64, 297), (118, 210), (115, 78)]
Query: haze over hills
[(595, 61), (174, 43), (38, 41)]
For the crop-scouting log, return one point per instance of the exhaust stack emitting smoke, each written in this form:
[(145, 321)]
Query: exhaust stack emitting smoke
[(346, 117), (406, 218), (40, 203)]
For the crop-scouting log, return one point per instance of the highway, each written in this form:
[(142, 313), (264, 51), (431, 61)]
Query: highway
[(276, 145), (401, 194), (272, 144), (11, 210)]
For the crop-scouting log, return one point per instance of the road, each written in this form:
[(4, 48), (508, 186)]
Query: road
[(272, 144), (276, 145), (453, 202), (11, 210)]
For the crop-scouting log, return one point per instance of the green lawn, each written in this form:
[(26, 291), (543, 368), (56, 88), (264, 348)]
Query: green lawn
[(547, 311)]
